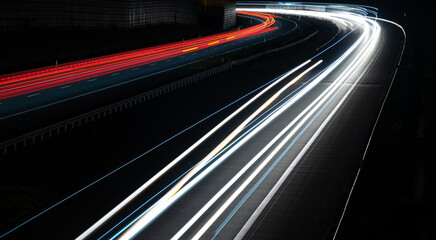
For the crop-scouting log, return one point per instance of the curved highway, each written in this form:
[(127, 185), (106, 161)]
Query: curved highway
[(227, 178), (229, 187), (69, 89)]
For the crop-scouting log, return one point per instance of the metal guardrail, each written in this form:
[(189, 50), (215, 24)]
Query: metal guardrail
[(91, 116), (71, 123)]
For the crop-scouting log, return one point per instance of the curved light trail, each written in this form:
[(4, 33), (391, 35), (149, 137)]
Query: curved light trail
[(324, 85), (31, 81), (181, 187), (318, 103), (20, 83), (351, 64)]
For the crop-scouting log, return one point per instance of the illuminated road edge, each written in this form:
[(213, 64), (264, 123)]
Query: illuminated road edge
[(29, 81), (353, 64)]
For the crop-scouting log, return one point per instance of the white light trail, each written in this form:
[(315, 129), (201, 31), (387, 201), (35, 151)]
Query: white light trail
[(362, 56), (291, 167), (177, 191), (356, 55), (152, 180), (304, 91), (325, 96)]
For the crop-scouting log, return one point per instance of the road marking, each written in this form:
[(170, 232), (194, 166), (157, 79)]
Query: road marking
[(152, 64), (168, 60), (92, 80), (290, 168), (32, 95), (254, 160), (113, 74), (63, 87), (134, 69), (200, 165), (189, 49), (182, 56)]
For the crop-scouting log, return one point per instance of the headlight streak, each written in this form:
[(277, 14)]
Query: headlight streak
[(281, 100), (139, 156), (273, 191), (242, 187), (178, 190), (362, 56), (265, 115), (174, 181), (255, 120), (303, 92), (229, 145), (269, 21), (186, 185), (274, 108), (272, 166), (261, 121), (184, 154), (286, 150)]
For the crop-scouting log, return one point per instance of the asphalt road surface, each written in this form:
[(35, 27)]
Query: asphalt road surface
[(73, 88), (265, 150)]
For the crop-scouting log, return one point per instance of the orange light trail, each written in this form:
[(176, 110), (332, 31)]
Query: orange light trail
[(212, 43), (190, 49)]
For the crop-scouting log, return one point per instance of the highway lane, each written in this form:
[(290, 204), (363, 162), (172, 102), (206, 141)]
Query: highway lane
[(20, 83), (27, 173), (175, 216), (65, 99), (311, 201), (213, 215), (75, 154), (344, 73)]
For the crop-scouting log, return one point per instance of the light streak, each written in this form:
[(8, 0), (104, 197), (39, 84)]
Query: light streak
[(20, 83), (183, 155), (170, 197), (366, 42), (358, 53), (254, 174), (263, 204), (138, 157), (326, 94)]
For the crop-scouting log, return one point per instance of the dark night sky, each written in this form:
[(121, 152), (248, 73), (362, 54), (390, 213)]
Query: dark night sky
[(394, 197), (394, 10)]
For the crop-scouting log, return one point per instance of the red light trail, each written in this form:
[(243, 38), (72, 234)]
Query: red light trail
[(25, 82)]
